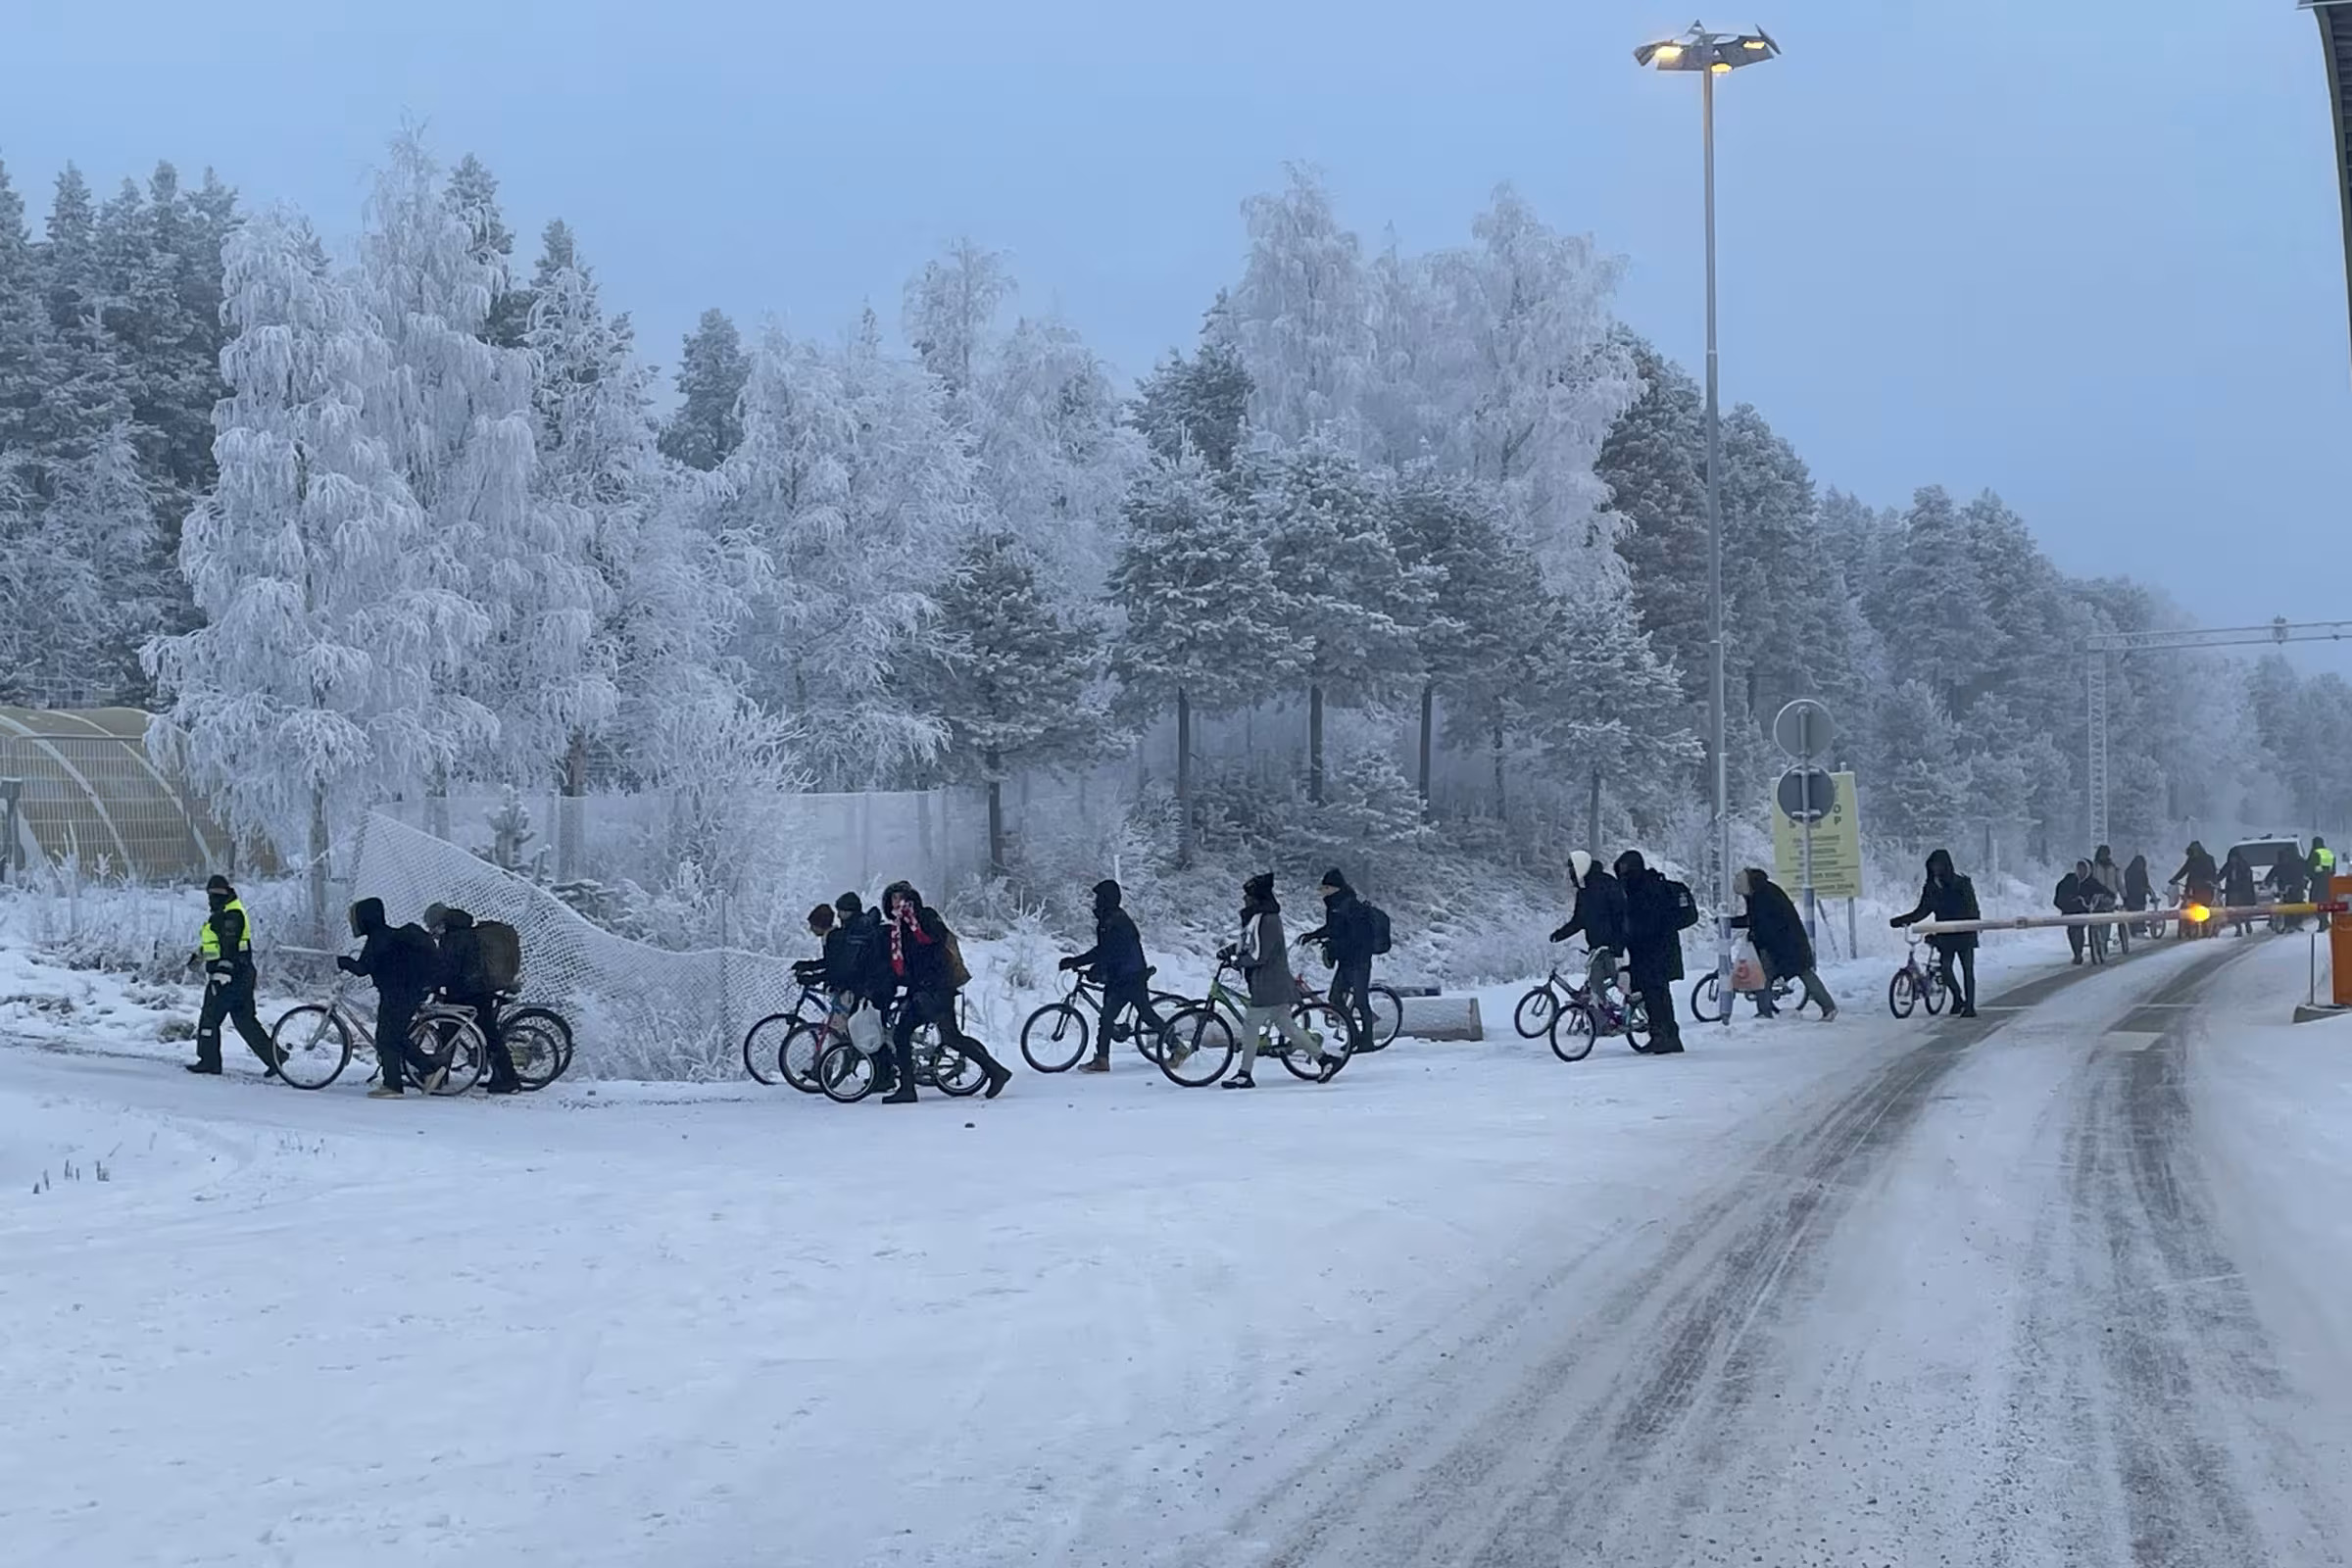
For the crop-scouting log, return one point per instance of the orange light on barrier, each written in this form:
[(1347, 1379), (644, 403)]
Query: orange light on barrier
[(2197, 914)]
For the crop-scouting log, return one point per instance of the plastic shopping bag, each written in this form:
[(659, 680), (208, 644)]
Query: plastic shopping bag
[(1747, 971), (866, 1030)]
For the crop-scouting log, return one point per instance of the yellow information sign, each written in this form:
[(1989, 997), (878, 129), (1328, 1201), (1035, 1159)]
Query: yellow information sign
[(1837, 846)]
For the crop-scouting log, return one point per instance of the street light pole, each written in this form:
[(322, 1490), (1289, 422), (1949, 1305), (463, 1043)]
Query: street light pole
[(1716, 723), (1712, 55)]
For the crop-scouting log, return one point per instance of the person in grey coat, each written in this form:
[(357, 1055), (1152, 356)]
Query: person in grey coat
[(1264, 959)]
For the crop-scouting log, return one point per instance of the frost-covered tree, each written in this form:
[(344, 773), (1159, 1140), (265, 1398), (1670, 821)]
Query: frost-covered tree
[(454, 413), (659, 597), (950, 312), (1533, 372), (330, 634), (850, 489), (1014, 674), (1919, 786), (472, 195), (1654, 465), (712, 368), (1348, 602), (1301, 313), (1053, 457), (1786, 591), (1204, 622), (1199, 404)]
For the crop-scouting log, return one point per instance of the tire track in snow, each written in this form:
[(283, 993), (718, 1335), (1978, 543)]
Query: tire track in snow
[(1445, 1470)]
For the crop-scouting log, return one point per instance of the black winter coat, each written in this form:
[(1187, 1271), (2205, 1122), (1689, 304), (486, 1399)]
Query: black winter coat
[(1954, 899), (1599, 913), (2138, 894), (920, 960), (1773, 925), (2237, 884), (400, 959), (1346, 929), (1654, 933), (2199, 874), (2073, 896), (460, 960), (1119, 951)]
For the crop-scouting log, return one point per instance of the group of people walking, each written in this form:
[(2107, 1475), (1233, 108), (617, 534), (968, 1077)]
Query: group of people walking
[(905, 963)]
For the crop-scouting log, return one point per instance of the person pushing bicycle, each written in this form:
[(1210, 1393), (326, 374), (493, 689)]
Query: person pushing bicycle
[(1600, 916), (1115, 962)]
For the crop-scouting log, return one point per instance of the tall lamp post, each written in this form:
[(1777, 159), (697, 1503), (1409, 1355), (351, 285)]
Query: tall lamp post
[(1712, 55)]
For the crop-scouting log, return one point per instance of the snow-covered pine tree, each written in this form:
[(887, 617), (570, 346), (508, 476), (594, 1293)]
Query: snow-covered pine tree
[(454, 413), (1653, 463), (473, 197), (712, 368), (1301, 313), (1054, 459), (1348, 600), (1015, 674), (1200, 402), (1918, 787), (329, 633), (1783, 587), (1204, 622)]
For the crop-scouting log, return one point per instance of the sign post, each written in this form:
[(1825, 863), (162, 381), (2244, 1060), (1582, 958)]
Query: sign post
[(1803, 729), (11, 849)]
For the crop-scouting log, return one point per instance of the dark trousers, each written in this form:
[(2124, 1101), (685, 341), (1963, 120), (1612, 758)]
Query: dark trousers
[(1351, 994), (1122, 996), (932, 1007), (1657, 1000), (2074, 938), (1964, 963), (229, 999), (395, 1054), (485, 1018)]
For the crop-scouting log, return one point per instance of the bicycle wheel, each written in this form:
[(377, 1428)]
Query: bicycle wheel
[(1055, 1037), (453, 1045), (313, 1045), (1934, 993), (1901, 993), (1535, 1013), (1388, 1019), (1707, 998), (763, 1048), (1332, 1031), (845, 1073), (955, 1074), (1571, 1033), (1636, 1023), (539, 1041), (1200, 1047), (797, 1058)]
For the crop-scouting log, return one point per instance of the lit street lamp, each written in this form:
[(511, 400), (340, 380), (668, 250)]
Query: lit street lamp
[(1712, 55)]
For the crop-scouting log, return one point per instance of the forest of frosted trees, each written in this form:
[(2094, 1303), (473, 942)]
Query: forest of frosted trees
[(1429, 531)]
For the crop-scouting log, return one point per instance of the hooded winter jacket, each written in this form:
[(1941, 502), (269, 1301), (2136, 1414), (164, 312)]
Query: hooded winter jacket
[(1119, 951), (1346, 929), (1599, 910), (400, 959), (1654, 931), (1946, 896), (1263, 956)]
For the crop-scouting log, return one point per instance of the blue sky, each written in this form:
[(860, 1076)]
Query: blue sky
[(2088, 255)]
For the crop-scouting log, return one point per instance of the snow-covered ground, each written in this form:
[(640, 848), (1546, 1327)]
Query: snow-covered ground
[(1810, 1294)]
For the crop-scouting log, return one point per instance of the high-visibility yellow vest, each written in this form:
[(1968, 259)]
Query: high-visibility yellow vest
[(2325, 857), (208, 941)]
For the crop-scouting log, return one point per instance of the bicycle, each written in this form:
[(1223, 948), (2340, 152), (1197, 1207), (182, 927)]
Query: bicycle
[(1388, 1018), (1915, 984), (1585, 1014), (314, 1041), (791, 1041), (1061, 1043), (845, 1071), (1204, 1037), (1706, 996), (538, 1041)]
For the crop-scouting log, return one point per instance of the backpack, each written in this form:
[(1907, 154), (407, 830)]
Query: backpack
[(864, 958), (1685, 907), (960, 973), (1384, 936), (499, 946)]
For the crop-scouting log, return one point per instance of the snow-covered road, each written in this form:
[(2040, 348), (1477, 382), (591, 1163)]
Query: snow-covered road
[(2018, 1291)]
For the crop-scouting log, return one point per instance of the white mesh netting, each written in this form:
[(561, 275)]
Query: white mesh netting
[(636, 1011)]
